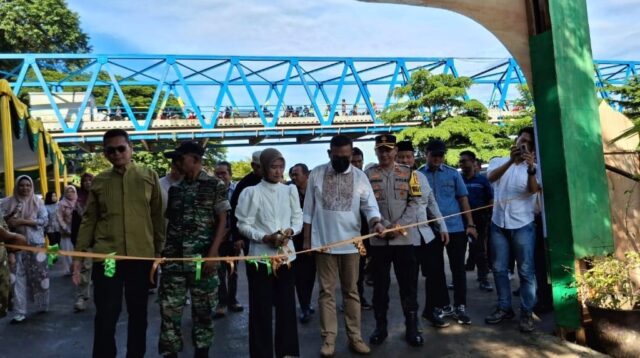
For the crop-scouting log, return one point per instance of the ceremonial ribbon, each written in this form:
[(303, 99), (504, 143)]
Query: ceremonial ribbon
[(198, 260), (110, 265), (109, 259)]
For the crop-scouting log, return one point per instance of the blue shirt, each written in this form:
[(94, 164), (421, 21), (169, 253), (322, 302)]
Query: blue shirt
[(447, 186), (480, 191)]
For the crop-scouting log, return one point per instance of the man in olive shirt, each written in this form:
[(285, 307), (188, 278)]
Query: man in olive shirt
[(123, 215)]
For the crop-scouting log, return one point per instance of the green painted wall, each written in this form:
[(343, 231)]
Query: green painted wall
[(568, 124)]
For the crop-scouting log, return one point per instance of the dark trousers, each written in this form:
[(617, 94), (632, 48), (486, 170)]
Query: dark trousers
[(405, 268), (431, 258), (362, 268), (456, 250), (228, 287), (544, 294), (54, 238), (478, 247), (132, 277), (266, 291), (304, 268)]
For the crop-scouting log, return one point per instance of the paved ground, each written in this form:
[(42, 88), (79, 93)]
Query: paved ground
[(62, 333)]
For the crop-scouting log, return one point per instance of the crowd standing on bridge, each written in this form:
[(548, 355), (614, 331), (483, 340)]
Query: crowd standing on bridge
[(189, 213)]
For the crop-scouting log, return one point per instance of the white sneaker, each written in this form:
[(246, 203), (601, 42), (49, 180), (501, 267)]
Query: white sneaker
[(80, 305), (18, 318)]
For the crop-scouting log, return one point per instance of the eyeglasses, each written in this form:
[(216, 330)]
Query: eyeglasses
[(113, 150)]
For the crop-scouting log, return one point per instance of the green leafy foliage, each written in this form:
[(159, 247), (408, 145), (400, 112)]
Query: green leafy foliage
[(426, 95), (608, 282), (40, 26), (240, 168), (96, 162), (629, 99), (138, 97), (462, 125)]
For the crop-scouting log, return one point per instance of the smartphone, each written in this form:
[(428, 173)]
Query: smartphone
[(523, 149)]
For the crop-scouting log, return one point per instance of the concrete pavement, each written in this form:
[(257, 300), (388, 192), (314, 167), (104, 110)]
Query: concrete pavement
[(63, 333)]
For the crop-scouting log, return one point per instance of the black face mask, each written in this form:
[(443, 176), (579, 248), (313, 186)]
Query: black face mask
[(340, 164)]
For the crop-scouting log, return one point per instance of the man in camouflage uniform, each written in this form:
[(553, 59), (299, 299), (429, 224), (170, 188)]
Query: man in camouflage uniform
[(5, 282), (196, 210), (395, 190)]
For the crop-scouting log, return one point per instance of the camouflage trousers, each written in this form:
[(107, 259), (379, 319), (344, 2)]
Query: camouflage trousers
[(5, 282), (172, 293)]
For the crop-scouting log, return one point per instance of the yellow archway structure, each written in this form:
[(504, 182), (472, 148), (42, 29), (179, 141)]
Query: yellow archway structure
[(21, 136)]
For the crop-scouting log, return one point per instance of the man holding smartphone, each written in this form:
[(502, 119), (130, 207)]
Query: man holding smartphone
[(515, 183)]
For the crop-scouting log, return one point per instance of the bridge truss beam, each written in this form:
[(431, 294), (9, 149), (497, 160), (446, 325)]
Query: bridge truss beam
[(248, 96)]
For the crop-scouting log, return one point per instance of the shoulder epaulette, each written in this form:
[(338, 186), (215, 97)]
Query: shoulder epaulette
[(414, 184)]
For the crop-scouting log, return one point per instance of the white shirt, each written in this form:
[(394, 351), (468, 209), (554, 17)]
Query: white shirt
[(332, 206), (513, 204), (263, 210), (165, 184)]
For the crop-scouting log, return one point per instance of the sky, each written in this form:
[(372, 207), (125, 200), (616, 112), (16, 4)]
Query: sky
[(320, 28)]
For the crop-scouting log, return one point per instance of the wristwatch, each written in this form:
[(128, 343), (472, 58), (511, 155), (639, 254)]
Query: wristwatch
[(472, 225), (532, 171)]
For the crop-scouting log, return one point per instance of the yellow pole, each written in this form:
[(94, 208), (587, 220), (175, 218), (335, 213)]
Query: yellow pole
[(66, 178), (7, 145), (42, 163), (56, 176)]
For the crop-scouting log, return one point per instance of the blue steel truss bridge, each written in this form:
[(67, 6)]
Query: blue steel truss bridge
[(246, 99)]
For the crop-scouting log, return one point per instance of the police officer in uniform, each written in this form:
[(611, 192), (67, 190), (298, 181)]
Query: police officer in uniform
[(197, 211), (397, 199)]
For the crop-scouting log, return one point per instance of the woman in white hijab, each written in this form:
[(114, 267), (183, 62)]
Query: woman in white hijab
[(65, 216), (27, 215)]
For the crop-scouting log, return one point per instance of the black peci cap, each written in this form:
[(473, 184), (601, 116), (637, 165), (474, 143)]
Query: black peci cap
[(185, 148), (405, 146)]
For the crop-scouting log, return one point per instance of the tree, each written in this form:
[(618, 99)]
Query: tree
[(430, 96), (240, 168), (40, 26), (138, 97), (628, 97), (95, 162), (462, 124)]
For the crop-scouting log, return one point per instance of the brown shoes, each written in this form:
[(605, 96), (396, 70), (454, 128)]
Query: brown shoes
[(328, 349), (358, 346)]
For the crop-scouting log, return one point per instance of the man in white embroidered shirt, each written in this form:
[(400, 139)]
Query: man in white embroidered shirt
[(512, 227), (336, 194)]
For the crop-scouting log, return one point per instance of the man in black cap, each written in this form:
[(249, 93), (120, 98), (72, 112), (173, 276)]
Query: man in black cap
[(197, 213), (398, 204), (451, 196)]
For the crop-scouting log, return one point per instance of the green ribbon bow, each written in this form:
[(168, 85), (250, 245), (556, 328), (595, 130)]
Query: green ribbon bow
[(254, 262), (110, 265), (198, 260), (52, 254), (267, 262)]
